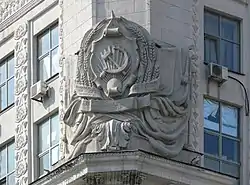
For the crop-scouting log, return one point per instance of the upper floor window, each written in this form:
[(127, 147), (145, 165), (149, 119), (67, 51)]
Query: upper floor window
[(6, 82), (48, 60), (222, 41), (48, 147), (7, 165), (221, 137)]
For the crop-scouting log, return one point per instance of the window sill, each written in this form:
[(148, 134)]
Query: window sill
[(52, 78), (231, 71), (7, 109)]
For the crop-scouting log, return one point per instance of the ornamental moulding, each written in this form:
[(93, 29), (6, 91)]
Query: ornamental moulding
[(21, 104), (12, 10), (129, 94)]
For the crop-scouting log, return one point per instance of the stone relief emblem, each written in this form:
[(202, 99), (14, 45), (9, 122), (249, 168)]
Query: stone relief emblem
[(120, 102)]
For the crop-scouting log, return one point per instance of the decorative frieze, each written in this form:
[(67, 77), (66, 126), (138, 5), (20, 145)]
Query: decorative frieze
[(21, 104), (194, 143)]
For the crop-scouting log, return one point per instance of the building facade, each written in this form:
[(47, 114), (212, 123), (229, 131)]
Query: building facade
[(40, 41)]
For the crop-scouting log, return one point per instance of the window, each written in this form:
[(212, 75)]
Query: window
[(48, 148), (48, 60), (7, 165), (221, 137), (222, 41), (6, 82)]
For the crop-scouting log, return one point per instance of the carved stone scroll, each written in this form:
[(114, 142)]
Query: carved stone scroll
[(119, 101), (21, 104)]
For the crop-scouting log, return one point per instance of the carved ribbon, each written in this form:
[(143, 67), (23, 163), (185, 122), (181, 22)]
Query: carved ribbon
[(111, 106)]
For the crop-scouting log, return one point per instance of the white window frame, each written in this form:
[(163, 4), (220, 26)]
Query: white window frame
[(3, 180), (5, 62), (51, 147), (219, 38), (221, 135), (48, 53)]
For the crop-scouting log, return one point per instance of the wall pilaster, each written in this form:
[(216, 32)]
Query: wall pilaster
[(21, 104)]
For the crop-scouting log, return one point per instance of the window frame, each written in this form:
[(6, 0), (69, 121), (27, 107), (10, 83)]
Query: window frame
[(219, 38), (4, 179), (5, 62), (220, 135), (47, 120), (47, 30)]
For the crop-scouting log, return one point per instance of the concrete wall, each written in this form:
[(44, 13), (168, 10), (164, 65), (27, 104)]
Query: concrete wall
[(167, 20)]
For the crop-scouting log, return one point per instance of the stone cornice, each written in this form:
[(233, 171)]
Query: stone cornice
[(138, 161), (11, 11)]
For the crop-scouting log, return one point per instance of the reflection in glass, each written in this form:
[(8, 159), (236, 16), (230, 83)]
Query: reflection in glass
[(230, 30), (211, 115), (54, 37), (11, 95), (3, 73), (55, 130), (3, 167), (55, 61), (11, 67), (54, 155), (11, 158), (11, 179), (45, 68), (230, 169), (211, 144), (211, 164), (44, 136), (3, 97), (230, 55), (229, 120), (211, 23), (43, 44), (230, 149), (211, 50), (44, 164)]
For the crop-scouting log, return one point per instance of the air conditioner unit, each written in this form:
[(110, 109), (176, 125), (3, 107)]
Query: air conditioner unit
[(39, 90), (217, 72)]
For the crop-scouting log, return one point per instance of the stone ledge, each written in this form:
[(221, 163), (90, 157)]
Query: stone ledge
[(148, 165)]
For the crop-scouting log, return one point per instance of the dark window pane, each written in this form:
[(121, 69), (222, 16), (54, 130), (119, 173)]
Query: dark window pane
[(230, 55), (211, 115), (211, 164), (3, 183), (236, 54), (211, 144), (55, 130), (11, 95), (54, 155), (230, 30), (45, 68), (3, 73), (211, 23), (3, 97), (11, 158), (3, 159), (43, 44), (11, 67), (211, 50), (229, 120), (54, 37), (230, 169), (44, 136), (44, 164), (55, 61), (230, 149), (206, 50)]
